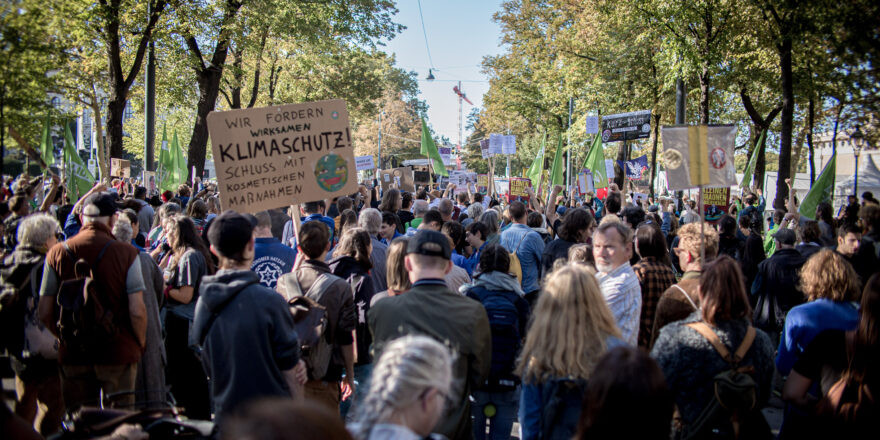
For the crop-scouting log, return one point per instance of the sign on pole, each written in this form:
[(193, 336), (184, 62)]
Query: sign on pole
[(495, 144), (508, 144), (517, 189), (402, 177), (363, 163), (626, 126), (277, 156), (120, 168), (716, 202), (699, 156), (592, 124), (484, 148)]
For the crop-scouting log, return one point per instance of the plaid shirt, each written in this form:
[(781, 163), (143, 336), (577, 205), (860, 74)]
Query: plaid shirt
[(654, 278)]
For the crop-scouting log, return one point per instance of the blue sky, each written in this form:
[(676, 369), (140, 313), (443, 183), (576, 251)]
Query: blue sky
[(460, 33)]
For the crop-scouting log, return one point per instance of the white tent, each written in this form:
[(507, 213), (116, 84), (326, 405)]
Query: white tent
[(869, 180)]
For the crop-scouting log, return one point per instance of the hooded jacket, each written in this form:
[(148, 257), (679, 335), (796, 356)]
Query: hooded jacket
[(250, 341)]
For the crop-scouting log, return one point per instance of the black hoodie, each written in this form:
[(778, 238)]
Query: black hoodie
[(250, 342)]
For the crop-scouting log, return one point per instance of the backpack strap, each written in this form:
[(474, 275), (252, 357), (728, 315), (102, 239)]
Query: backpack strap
[(710, 335), (687, 296)]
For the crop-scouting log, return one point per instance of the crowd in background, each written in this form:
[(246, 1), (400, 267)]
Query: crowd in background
[(440, 311)]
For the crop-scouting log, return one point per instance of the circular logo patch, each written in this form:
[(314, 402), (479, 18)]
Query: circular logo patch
[(672, 158), (606, 135), (718, 158), (331, 172), (334, 115)]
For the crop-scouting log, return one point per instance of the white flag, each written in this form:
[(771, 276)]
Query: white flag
[(699, 156)]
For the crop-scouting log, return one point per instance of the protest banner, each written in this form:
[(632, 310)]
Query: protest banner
[(421, 177), (402, 177), (508, 144), (502, 186), (633, 169), (282, 155), (484, 149), (150, 183), (363, 163), (496, 142), (120, 168), (626, 126), (517, 190), (699, 156), (716, 203), (482, 183)]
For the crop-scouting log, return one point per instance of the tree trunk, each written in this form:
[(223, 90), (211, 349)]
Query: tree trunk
[(704, 96), (783, 172), (619, 176), (209, 89), (237, 78), (654, 154), (99, 140), (115, 116)]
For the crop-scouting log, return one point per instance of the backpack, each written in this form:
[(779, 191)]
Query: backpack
[(515, 265), (311, 322), (732, 413), (506, 339), (84, 323)]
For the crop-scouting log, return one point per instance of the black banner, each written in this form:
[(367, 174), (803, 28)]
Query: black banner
[(626, 126)]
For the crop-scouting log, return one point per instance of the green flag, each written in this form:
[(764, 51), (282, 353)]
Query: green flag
[(47, 149), (750, 167), (556, 171), (534, 172), (429, 150), (180, 173), (79, 178), (595, 162), (166, 165), (821, 191)]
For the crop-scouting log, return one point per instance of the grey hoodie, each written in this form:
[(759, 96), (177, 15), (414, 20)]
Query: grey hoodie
[(251, 341)]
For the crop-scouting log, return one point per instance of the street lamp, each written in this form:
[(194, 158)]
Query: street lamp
[(856, 138), (430, 75)]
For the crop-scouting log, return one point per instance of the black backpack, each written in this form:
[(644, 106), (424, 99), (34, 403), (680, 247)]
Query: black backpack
[(311, 322), (84, 323), (733, 412), (506, 339)]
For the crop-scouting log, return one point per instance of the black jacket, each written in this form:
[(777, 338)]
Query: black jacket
[(358, 278), (731, 245), (779, 276)]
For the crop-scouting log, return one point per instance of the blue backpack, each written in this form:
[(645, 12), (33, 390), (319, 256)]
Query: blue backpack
[(506, 339)]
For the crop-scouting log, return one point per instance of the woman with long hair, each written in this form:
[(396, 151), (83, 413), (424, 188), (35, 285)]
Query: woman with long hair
[(846, 366), (184, 267), (501, 295), (571, 328), (654, 271), (391, 202), (351, 262), (411, 382), (395, 271), (690, 362), (577, 227)]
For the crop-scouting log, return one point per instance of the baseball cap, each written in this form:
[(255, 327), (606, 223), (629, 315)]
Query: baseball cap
[(105, 202), (230, 232), (785, 236), (430, 243)]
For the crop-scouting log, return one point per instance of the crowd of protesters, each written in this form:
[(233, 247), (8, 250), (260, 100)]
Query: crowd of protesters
[(439, 312)]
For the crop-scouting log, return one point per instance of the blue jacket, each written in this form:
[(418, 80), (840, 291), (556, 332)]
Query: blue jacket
[(271, 260), (805, 321), (529, 247)]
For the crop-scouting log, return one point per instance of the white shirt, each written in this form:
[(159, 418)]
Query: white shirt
[(622, 293)]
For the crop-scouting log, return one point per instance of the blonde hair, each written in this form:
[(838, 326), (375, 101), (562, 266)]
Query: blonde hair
[(569, 326), (828, 275), (689, 240), (408, 367)]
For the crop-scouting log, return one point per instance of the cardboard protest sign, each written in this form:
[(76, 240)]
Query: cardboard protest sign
[(699, 156), (482, 183), (363, 163), (517, 189), (402, 177), (120, 168), (716, 203), (282, 155)]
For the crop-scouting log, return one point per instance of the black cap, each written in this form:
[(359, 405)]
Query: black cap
[(785, 236), (230, 232), (105, 202), (430, 243)]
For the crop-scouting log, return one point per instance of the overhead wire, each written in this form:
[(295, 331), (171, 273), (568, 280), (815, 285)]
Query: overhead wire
[(425, 33)]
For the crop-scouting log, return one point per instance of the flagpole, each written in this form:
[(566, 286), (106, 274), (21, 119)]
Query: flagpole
[(702, 228)]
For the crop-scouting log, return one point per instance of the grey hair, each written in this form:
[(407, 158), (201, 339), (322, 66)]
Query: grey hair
[(371, 220), (446, 207), (408, 367), (35, 230), (420, 207), (475, 210), (122, 229), (490, 219)]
